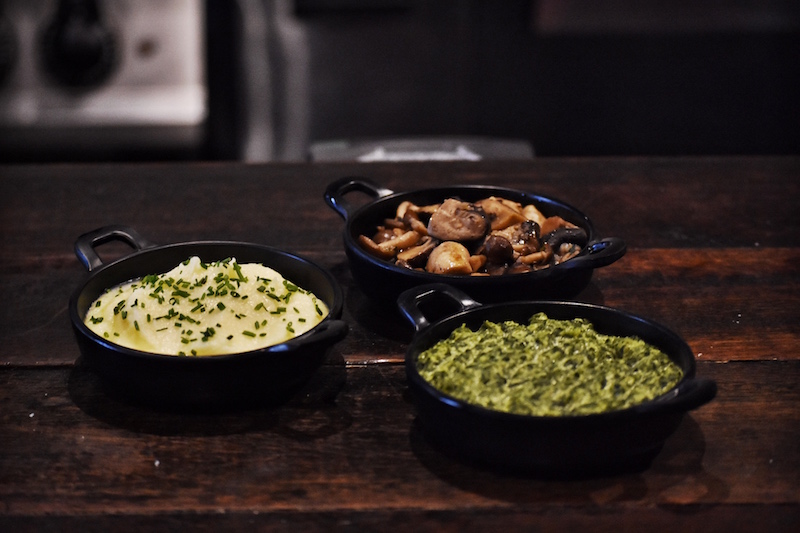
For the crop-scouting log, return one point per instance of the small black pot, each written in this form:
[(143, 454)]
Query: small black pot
[(383, 282), (571, 446), (256, 378)]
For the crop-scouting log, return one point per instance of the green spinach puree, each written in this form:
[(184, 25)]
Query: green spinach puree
[(547, 368)]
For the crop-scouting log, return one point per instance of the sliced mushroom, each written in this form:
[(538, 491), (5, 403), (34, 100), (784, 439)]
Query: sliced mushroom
[(373, 248), (393, 223), (477, 262), (525, 238), (401, 242), (388, 249), (417, 256), (383, 234), (492, 236), (449, 258), (502, 213), (567, 251), (542, 256), (496, 269), (573, 235), (518, 268), (404, 208), (457, 221), (553, 223), (427, 209), (418, 226), (532, 213), (411, 220)]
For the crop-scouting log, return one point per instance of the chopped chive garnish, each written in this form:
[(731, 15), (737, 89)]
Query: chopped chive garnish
[(180, 301)]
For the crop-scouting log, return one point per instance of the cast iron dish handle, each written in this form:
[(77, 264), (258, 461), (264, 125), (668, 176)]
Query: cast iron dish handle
[(409, 302), (688, 395), (86, 243), (334, 193), (597, 254)]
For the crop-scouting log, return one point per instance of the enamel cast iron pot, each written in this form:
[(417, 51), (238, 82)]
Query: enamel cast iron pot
[(265, 376), (382, 281), (570, 446)]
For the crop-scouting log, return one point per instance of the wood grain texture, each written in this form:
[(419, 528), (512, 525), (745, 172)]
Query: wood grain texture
[(349, 444), (727, 305), (713, 253)]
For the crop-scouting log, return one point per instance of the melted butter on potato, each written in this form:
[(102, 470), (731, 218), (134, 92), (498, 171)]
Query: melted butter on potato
[(202, 309)]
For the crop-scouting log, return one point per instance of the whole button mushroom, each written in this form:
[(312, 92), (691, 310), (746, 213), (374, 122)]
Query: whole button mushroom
[(457, 221), (498, 249), (449, 258)]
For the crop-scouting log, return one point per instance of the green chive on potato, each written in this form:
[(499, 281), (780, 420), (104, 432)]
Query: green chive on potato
[(202, 309)]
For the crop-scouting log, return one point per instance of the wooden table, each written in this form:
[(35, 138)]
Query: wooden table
[(713, 253)]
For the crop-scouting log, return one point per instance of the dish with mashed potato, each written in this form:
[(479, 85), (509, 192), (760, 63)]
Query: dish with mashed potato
[(205, 308)]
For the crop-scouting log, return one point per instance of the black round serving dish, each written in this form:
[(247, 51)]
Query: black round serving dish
[(383, 281), (571, 446), (249, 379)]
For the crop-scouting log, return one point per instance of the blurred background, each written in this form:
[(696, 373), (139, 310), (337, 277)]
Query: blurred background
[(295, 80)]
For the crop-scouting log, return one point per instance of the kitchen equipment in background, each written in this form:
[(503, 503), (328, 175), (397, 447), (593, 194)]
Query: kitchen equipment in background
[(89, 79), (461, 148)]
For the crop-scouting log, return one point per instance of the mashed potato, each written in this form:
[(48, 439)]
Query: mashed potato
[(202, 308)]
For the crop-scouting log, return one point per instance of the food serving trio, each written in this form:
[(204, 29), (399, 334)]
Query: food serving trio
[(713, 248), (607, 441)]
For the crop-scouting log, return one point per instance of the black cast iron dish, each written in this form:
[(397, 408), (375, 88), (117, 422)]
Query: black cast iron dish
[(248, 379), (383, 282), (571, 446)]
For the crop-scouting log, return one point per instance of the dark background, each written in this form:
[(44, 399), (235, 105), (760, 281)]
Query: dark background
[(569, 77), (681, 80)]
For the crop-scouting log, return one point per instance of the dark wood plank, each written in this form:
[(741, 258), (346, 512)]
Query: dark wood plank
[(726, 304), (678, 287), (678, 202), (349, 443), (595, 518), (712, 253)]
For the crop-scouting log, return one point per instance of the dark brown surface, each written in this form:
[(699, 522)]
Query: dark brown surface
[(714, 253)]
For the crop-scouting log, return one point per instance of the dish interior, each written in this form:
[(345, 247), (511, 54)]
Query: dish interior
[(162, 259), (605, 320)]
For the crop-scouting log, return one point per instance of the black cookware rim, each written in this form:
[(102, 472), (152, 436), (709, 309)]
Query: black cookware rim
[(335, 307), (683, 355), (387, 196)]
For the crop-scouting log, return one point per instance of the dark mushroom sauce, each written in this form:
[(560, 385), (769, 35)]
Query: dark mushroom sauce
[(491, 237)]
